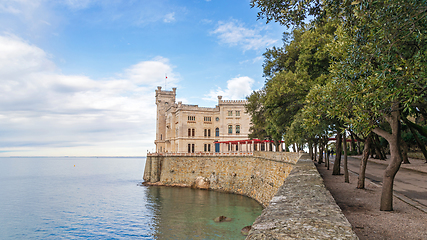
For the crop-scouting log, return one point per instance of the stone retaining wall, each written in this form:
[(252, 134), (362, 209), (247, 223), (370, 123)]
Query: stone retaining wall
[(299, 207), (302, 209), (257, 176)]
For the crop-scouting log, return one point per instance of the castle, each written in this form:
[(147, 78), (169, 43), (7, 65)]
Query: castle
[(183, 128)]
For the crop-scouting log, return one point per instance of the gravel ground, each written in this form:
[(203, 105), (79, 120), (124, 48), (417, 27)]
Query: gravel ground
[(361, 207)]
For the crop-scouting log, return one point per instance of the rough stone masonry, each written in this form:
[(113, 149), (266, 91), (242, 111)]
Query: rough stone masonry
[(297, 204)]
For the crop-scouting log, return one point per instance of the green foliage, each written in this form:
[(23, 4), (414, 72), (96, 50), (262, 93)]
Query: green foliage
[(288, 12), (380, 58), (257, 113), (291, 72)]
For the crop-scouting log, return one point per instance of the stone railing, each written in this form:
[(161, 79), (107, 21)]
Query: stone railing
[(202, 154)]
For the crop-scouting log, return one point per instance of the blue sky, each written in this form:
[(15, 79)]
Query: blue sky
[(77, 77)]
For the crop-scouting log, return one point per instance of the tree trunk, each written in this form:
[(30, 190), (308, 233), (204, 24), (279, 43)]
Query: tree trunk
[(337, 162), (310, 150), (327, 158), (358, 148), (404, 148), (363, 162), (381, 149), (315, 152), (353, 143), (379, 153), (320, 153), (396, 158), (293, 146), (417, 139), (346, 178)]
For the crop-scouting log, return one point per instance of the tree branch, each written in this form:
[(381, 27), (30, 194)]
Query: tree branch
[(382, 133)]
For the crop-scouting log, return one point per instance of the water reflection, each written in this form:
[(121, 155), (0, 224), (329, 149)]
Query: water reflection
[(184, 213)]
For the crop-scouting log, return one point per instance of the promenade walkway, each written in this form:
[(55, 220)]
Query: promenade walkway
[(362, 206), (410, 184)]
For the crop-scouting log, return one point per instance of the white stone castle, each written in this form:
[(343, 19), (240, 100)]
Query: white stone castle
[(183, 128)]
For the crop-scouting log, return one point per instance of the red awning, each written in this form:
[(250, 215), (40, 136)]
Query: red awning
[(246, 141)]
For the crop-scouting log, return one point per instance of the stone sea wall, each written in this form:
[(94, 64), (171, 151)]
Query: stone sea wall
[(257, 176), (297, 204), (302, 208)]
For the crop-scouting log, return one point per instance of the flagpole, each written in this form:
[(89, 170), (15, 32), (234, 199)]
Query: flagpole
[(166, 78)]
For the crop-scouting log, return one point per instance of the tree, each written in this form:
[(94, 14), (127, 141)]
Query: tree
[(291, 71), (256, 111), (381, 61), (384, 70)]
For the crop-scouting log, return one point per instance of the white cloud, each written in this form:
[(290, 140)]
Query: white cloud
[(170, 17), (152, 73), (44, 112), (20, 57), (237, 88), (234, 33)]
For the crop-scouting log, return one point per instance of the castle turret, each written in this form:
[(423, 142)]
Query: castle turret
[(164, 99)]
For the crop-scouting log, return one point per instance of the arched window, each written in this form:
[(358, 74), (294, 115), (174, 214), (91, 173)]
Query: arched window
[(216, 132)]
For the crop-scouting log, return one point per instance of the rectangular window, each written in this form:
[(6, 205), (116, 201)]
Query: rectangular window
[(192, 148), (237, 129), (209, 132), (209, 147), (216, 132), (192, 118), (189, 148), (193, 132), (189, 132), (237, 113), (206, 147), (206, 132), (230, 129), (208, 119), (230, 113)]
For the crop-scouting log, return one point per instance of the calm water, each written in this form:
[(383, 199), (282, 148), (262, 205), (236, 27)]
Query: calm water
[(99, 198)]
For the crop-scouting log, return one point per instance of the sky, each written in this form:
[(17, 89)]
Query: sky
[(78, 77)]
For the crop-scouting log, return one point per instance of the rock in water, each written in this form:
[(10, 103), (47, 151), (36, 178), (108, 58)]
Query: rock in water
[(202, 183), (222, 219), (245, 230)]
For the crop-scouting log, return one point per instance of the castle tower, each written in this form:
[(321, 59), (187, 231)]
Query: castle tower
[(164, 99)]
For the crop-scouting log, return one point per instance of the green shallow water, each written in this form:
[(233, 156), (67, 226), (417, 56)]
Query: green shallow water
[(184, 213)]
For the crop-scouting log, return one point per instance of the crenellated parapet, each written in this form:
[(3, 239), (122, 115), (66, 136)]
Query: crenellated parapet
[(232, 102)]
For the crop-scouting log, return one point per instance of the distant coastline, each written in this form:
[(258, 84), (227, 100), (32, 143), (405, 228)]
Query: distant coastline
[(72, 156)]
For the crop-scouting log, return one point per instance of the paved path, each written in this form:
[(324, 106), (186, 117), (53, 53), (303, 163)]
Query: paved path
[(411, 183)]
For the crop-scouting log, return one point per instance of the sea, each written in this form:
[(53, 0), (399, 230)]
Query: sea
[(102, 198)]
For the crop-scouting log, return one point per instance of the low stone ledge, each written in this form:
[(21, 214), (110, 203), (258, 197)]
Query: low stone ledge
[(302, 209)]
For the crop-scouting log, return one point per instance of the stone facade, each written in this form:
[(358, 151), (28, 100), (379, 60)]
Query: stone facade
[(183, 128)]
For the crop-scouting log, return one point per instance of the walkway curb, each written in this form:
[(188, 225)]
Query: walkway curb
[(402, 166)]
